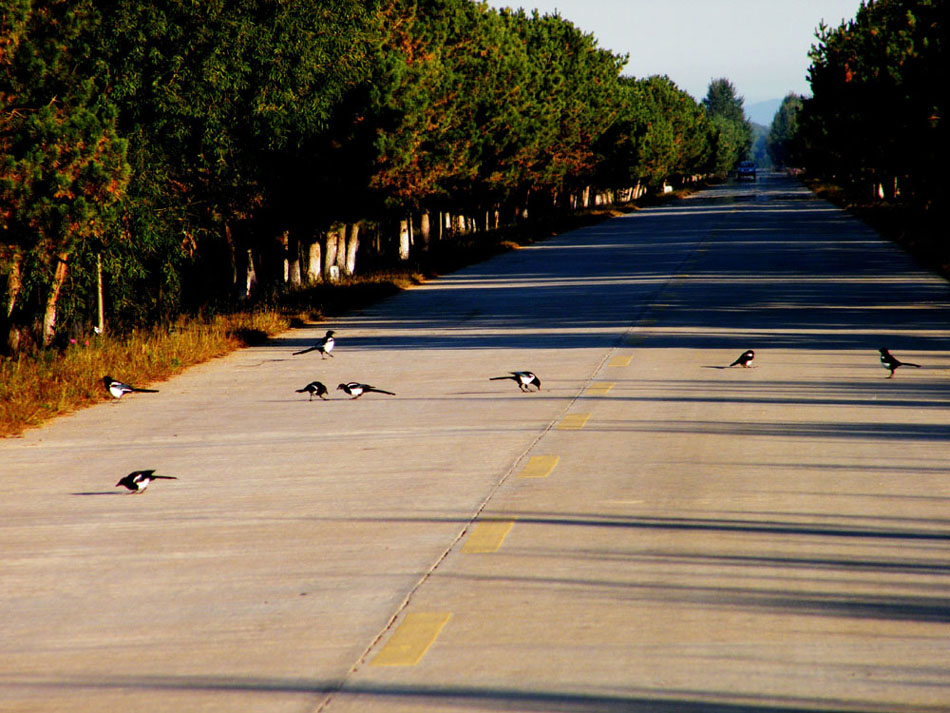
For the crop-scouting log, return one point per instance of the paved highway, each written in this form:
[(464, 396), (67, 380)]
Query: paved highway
[(651, 531)]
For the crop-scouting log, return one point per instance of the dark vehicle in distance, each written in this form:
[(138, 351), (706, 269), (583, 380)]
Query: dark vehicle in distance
[(745, 169)]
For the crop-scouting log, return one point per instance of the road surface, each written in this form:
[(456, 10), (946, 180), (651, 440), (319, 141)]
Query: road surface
[(651, 531)]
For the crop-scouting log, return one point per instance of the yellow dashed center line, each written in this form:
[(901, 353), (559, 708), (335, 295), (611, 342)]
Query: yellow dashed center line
[(573, 422), (620, 361), (412, 639), (539, 466), (600, 388), (487, 536)]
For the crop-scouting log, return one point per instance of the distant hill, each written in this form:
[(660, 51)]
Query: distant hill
[(763, 112)]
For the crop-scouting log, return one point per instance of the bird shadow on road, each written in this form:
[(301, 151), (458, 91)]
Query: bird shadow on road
[(99, 492)]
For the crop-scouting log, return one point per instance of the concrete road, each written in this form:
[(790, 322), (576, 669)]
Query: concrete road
[(649, 532)]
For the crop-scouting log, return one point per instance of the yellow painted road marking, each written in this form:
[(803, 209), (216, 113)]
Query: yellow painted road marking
[(620, 361), (600, 388), (573, 422), (539, 466), (487, 536), (412, 639)]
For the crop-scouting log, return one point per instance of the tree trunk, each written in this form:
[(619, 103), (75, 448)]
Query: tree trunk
[(330, 253), (425, 230), (403, 240), (284, 257), (314, 268), (352, 245), (250, 274), (294, 276), (49, 315), (14, 284), (100, 303)]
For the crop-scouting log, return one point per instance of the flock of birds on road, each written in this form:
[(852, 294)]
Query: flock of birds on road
[(138, 480)]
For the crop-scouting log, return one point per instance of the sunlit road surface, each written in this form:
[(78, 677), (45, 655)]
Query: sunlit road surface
[(651, 531)]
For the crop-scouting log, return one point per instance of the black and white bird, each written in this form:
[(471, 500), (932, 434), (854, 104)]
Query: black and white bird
[(524, 379), (137, 481), (324, 346), (892, 363), (745, 359), (356, 389), (118, 389), (314, 388)]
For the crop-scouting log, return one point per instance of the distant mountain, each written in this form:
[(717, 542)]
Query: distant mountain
[(763, 112)]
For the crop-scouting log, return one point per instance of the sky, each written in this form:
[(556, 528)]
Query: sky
[(761, 46)]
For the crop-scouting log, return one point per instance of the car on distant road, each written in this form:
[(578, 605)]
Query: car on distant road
[(745, 169)]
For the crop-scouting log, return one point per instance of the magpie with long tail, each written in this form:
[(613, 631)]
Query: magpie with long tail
[(356, 389), (138, 480), (118, 389), (324, 346), (745, 359), (524, 379), (314, 388), (892, 363)]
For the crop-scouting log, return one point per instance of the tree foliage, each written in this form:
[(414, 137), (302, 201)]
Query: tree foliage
[(877, 120), (196, 150), (733, 134), (782, 139)]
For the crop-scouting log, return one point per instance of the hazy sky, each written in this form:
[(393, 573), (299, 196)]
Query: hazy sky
[(761, 46)]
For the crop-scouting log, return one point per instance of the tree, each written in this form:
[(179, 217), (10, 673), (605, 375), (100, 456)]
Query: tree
[(783, 134), (62, 164), (733, 137), (876, 118)]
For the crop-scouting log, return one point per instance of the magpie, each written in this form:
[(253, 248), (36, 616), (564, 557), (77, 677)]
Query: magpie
[(117, 388), (745, 359), (137, 481), (356, 389), (893, 363), (324, 346), (314, 387), (523, 378)]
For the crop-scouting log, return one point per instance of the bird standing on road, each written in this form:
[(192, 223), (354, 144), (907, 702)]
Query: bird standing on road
[(137, 481), (892, 363), (324, 346), (118, 389), (524, 379), (745, 359), (314, 387), (356, 389)]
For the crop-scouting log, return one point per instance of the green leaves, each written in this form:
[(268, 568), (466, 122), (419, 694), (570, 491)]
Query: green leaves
[(178, 140), (877, 118), (733, 134)]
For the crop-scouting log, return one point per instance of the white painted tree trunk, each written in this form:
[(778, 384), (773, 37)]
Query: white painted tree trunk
[(404, 240), (292, 248), (250, 275), (352, 246), (425, 230), (332, 248), (52, 299)]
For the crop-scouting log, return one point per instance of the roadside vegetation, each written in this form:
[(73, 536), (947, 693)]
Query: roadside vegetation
[(873, 137), (179, 178), (39, 384)]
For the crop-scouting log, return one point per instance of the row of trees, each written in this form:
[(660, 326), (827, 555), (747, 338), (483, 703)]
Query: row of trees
[(159, 155), (877, 120)]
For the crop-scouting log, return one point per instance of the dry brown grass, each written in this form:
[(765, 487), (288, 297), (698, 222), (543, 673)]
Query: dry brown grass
[(36, 387), (39, 386)]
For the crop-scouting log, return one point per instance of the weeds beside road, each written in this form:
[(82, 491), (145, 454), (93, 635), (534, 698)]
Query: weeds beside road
[(40, 385)]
